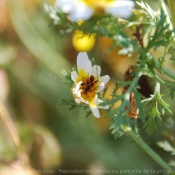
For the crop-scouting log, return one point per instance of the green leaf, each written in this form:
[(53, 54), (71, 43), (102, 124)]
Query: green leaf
[(165, 145), (171, 86), (139, 105), (162, 36), (117, 125), (171, 51), (112, 101), (67, 76), (147, 8), (153, 112), (164, 105), (153, 119), (88, 113)]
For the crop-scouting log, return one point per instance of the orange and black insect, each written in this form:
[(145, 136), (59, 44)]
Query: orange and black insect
[(133, 111), (89, 83)]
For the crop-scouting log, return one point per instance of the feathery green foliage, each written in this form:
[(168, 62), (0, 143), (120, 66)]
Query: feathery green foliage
[(146, 24)]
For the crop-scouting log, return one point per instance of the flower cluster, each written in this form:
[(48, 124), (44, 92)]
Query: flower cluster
[(79, 10), (88, 83)]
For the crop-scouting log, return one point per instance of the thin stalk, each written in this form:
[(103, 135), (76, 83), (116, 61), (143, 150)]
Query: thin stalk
[(6, 119), (147, 149)]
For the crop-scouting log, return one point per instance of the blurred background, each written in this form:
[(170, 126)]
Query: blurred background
[(37, 134)]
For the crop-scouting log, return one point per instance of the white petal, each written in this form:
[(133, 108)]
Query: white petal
[(121, 8), (81, 12), (66, 6), (83, 62), (82, 58), (98, 101), (103, 107), (77, 10), (96, 70), (95, 110), (104, 79), (74, 76), (77, 90), (74, 91), (100, 87), (85, 101), (77, 100), (79, 93)]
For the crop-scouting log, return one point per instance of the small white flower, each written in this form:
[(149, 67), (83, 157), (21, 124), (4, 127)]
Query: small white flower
[(88, 83), (79, 10), (52, 13)]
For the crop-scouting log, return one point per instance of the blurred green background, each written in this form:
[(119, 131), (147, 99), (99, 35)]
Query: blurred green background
[(36, 132)]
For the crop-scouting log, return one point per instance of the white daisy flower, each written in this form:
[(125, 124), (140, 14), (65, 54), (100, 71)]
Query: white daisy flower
[(88, 83), (79, 10)]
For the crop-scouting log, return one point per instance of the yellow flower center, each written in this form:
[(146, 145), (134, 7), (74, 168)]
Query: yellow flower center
[(88, 86), (97, 3), (88, 96), (82, 75)]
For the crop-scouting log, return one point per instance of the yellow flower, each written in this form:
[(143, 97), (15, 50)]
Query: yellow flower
[(88, 83), (82, 42)]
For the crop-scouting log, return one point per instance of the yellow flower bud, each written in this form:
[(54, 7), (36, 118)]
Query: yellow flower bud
[(83, 42)]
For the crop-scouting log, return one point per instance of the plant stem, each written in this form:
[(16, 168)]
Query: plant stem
[(171, 5), (164, 70), (157, 88), (146, 148)]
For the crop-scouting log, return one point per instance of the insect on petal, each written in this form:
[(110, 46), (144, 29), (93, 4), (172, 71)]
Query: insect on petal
[(88, 83)]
